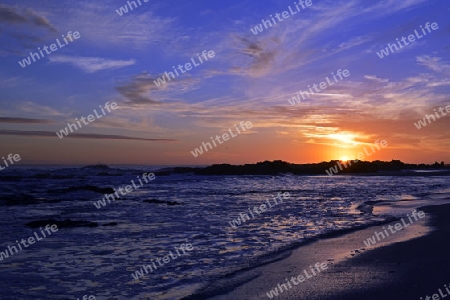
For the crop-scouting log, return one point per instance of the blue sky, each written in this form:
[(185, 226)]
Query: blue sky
[(251, 78)]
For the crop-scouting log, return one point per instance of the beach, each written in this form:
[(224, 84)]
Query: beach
[(325, 223), (336, 187), (411, 264)]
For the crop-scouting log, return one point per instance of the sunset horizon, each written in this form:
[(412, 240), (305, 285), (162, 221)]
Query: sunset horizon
[(224, 150), (312, 92)]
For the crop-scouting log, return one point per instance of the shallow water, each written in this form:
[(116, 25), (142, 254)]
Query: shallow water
[(99, 261)]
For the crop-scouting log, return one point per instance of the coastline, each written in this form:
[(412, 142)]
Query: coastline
[(392, 269), (411, 269)]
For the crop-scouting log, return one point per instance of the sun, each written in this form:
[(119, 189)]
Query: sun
[(344, 158)]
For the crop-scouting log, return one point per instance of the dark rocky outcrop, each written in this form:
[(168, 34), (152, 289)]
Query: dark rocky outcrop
[(97, 167), (162, 202), (24, 199), (277, 167), (67, 223), (110, 224), (91, 188)]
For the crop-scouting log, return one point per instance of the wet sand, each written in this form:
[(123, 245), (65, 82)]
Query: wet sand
[(410, 264)]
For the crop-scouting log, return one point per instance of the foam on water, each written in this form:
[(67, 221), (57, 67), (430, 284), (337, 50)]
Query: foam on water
[(99, 261)]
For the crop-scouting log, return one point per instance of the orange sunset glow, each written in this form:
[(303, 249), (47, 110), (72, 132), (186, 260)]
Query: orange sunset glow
[(308, 101)]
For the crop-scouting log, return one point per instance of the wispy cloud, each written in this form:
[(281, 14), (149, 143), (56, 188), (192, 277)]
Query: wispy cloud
[(375, 78), (8, 82), (302, 42), (11, 15), (92, 64), (261, 54), (434, 63), (36, 109), (12, 120), (137, 91), (20, 29), (356, 41), (141, 89), (99, 24), (81, 136)]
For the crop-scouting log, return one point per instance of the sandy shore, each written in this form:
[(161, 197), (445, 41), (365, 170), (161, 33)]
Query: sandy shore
[(410, 264)]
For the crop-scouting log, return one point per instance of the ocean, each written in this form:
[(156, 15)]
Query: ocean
[(183, 209)]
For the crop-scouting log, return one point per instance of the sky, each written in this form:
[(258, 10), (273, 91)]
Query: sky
[(251, 77)]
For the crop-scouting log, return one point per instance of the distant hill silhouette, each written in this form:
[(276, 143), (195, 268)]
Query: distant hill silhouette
[(394, 167)]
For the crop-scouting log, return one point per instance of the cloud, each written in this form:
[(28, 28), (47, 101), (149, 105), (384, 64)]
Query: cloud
[(356, 41), (137, 91), (433, 63), (37, 20), (18, 30), (10, 15), (8, 120), (99, 24), (92, 64), (300, 42), (80, 136), (142, 89), (36, 109), (262, 58), (8, 82), (375, 78), (388, 7)]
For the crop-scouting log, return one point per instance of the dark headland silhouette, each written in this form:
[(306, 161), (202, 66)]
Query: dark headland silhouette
[(392, 168)]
